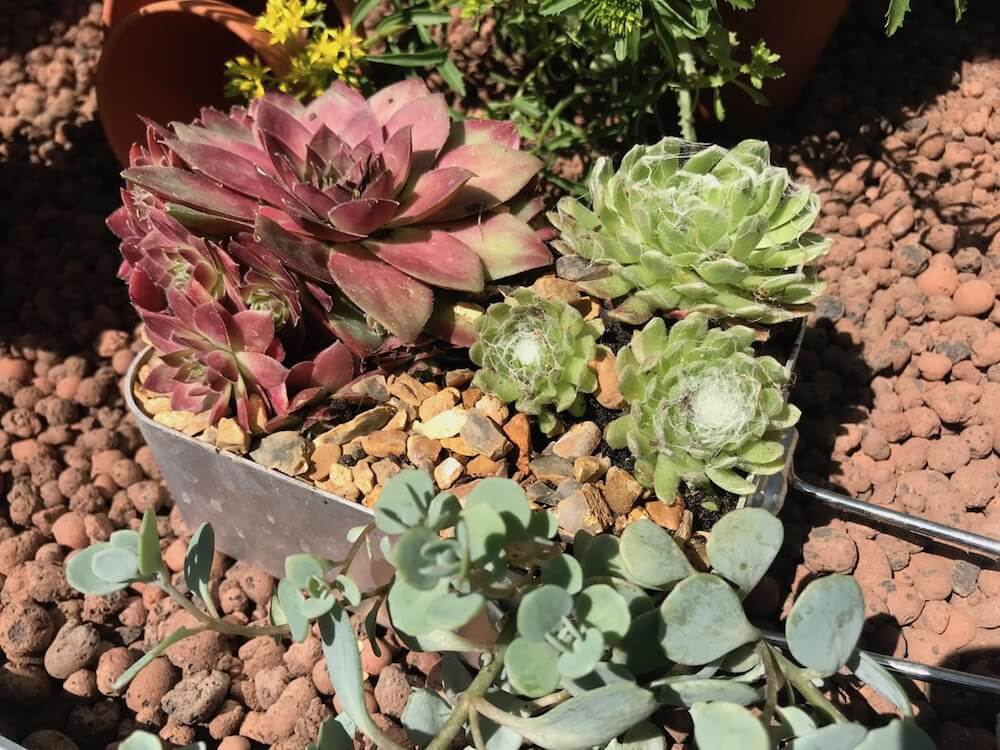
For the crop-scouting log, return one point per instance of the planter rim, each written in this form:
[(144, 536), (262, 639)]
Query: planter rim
[(130, 379)]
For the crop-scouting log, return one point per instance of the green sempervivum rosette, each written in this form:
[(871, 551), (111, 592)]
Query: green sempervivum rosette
[(696, 228), (536, 352), (703, 408)]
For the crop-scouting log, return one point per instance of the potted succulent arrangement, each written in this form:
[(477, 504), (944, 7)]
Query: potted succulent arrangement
[(312, 277)]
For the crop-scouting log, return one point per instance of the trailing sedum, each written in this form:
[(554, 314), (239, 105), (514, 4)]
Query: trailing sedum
[(703, 229), (536, 353), (703, 408)]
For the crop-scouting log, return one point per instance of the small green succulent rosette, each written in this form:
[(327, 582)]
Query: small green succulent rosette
[(536, 353), (697, 228), (703, 407)]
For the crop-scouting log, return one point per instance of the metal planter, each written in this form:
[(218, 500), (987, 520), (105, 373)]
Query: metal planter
[(259, 515)]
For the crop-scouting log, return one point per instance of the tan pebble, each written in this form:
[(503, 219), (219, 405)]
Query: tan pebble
[(974, 298), (438, 403), (667, 516), (459, 446), (481, 466), (176, 420), (554, 288), (385, 443), (458, 378), (384, 470), (518, 430), (363, 476), (409, 389), (341, 482), (230, 436), (401, 418), (361, 425), (581, 439), (448, 472), (608, 394), (323, 456), (470, 397), (371, 498), (621, 490), (422, 451), (446, 424), (494, 408), (590, 468)]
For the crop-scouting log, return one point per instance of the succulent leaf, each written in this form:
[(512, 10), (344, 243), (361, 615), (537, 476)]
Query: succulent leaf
[(697, 228)]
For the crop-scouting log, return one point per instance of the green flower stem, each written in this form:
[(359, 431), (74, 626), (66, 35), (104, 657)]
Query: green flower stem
[(355, 548), (473, 697), (217, 623), (547, 701), (771, 682), (804, 685)]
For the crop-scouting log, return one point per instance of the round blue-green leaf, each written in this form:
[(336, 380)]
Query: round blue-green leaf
[(506, 497), (299, 568), (831, 737), (743, 544), (644, 736), (291, 606), (126, 539), (81, 576), (403, 502), (349, 589), (542, 611), (116, 565), (410, 558), (583, 655), (602, 607), (140, 740), (483, 532), (443, 511), (424, 716), (704, 620), (532, 667), (726, 726), (825, 623), (563, 571), (898, 734), (686, 692), (602, 558), (651, 556)]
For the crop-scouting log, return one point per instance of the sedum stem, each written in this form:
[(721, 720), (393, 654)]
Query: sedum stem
[(810, 692), (471, 697), (220, 625)]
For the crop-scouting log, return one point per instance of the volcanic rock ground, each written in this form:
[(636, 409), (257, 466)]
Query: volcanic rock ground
[(899, 381)]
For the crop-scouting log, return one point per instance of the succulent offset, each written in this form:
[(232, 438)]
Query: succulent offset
[(703, 407), (696, 228), (384, 199), (603, 636), (536, 352)]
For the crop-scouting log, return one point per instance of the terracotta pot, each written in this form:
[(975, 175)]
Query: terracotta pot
[(116, 11), (166, 60), (798, 30)]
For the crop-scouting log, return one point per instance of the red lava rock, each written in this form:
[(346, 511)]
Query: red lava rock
[(197, 653), (260, 653), (372, 664), (826, 551), (70, 531), (948, 454), (19, 549), (147, 494), (934, 617), (16, 369), (111, 665), (938, 279), (23, 684), (925, 646), (146, 691), (25, 630), (953, 403), (931, 575), (961, 630), (974, 298), (234, 743), (905, 604), (257, 584), (933, 366), (392, 690), (976, 483)]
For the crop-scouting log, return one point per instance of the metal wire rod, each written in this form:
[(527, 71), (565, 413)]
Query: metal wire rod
[(914, 524), (915, 670)]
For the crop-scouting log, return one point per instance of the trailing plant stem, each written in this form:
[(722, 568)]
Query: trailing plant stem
[(471, 698), (804, 685), (218, 624)]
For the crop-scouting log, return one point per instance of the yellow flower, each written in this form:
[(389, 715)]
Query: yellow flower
[(303, 78), (284, 19), (338, 51), (246, 78)]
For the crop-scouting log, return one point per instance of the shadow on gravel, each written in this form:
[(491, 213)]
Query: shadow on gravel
[(58, 261)]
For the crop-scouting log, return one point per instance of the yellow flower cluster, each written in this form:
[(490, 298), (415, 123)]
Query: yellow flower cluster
[(319, 55), (285, 19)]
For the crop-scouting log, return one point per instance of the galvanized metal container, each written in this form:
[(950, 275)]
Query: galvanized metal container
[(259, 515), (262, 516)]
